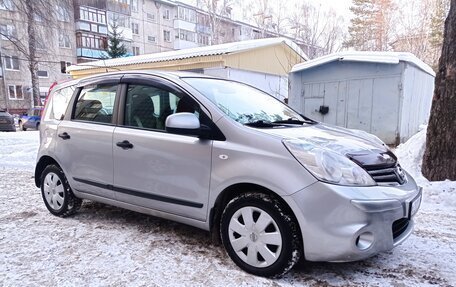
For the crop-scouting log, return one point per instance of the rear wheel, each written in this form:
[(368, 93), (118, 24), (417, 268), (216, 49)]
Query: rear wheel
[(37, 126), (56, 192), (259, 235)]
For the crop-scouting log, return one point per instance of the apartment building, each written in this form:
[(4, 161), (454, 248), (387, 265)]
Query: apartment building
[(55, 46), (79, 34)]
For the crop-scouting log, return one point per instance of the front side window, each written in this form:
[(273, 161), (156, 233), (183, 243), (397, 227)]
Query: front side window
[(96, 103), (148, 107), (243, 103)]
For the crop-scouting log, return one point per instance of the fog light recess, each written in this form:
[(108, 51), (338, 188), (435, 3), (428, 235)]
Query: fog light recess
[(365, 240)]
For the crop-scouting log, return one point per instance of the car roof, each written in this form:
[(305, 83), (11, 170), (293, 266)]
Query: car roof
[(164, 74)]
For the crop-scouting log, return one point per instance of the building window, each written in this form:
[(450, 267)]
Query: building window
[(119, 19), (134, 5), (63, 14), (187, 35), (42, 74), (8, 31), (64, 41), (135, 51), (186, 14), (150, 17), (7, 5), (91, 41), (135, 28), (166, 14), (11, 63), (203, 39), (167, 35), (92, 15), (15, 92), (151, 38), (63, 66)]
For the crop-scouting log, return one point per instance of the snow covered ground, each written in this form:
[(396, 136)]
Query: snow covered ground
[(103, 245)]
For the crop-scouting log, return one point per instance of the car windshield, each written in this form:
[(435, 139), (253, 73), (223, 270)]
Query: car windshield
[(243, 103)]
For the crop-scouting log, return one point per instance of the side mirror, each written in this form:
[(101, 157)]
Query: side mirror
[(183, 124)]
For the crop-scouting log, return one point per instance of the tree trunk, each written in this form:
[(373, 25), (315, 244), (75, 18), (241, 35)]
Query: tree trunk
[(33, 63), (439, 161)]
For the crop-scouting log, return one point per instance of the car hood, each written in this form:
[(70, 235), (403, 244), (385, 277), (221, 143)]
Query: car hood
[(341, 140)]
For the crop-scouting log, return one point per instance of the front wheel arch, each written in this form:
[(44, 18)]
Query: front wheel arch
[(236, 190)]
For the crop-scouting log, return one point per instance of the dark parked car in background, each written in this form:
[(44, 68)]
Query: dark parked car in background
[(31, 120), (6, 122)]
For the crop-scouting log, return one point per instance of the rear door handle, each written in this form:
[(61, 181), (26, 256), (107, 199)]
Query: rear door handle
[(125, 144), (64, 136)]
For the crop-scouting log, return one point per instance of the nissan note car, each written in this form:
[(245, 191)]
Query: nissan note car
[(272, 184)]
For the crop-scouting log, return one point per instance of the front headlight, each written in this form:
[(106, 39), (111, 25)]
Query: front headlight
[(327, 165)]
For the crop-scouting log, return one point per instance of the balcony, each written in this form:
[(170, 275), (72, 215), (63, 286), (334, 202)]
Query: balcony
[(184, 25), (183, 44), (126, 33), (91, 53), (91, 27)]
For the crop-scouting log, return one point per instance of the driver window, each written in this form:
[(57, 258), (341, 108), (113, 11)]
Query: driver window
[(148, 107)]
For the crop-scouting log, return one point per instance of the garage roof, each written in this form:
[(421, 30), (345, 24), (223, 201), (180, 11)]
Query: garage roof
[(367, 57), (223, 49)]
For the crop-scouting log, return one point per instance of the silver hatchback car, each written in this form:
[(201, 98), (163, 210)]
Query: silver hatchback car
[(220, 155)]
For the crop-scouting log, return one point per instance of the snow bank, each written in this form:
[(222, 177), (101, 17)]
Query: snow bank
[(18, 150), (410, 156)]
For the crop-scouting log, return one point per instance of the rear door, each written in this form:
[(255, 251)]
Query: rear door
[(84, 146), (159, 170)]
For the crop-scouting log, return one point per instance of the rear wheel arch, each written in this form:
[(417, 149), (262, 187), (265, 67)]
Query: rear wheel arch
[(41, 165)]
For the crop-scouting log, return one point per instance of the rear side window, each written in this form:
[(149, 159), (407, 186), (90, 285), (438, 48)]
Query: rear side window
[(58, 103), (96, 103)]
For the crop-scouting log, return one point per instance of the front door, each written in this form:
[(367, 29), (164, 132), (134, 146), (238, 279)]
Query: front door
[(156, 169)]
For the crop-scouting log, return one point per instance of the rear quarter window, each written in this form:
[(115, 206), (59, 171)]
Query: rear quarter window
[(58, 103)]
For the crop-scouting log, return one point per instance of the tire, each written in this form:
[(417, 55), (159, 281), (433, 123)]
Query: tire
[(271, 246), (56, 192), (21, 126), (37, 126)]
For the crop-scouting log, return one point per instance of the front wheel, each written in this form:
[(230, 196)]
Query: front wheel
[(260, 235), (56, 192)]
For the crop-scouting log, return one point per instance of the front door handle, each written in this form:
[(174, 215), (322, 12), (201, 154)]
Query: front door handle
[(64, 136), (125, 144)]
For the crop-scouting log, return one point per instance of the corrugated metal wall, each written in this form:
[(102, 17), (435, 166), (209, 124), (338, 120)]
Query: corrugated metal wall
[(418, 89), (382, 99)]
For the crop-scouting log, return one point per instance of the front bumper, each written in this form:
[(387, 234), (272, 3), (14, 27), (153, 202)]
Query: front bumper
[(341, 223)]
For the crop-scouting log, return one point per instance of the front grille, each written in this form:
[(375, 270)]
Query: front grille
[(399, 226), (388, 174)]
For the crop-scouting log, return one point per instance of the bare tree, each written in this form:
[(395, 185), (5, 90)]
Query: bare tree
[(217, 10), (439, 161), (320, 28), (35, 13)]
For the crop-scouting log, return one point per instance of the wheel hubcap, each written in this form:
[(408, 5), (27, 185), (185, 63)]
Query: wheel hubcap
[(53, 191), (255, 236)]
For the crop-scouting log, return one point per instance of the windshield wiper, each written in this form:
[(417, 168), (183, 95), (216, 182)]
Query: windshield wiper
[(294, 121), (263, 124)]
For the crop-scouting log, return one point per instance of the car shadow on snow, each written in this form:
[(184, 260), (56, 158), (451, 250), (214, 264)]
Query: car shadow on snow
[(199, 243)]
